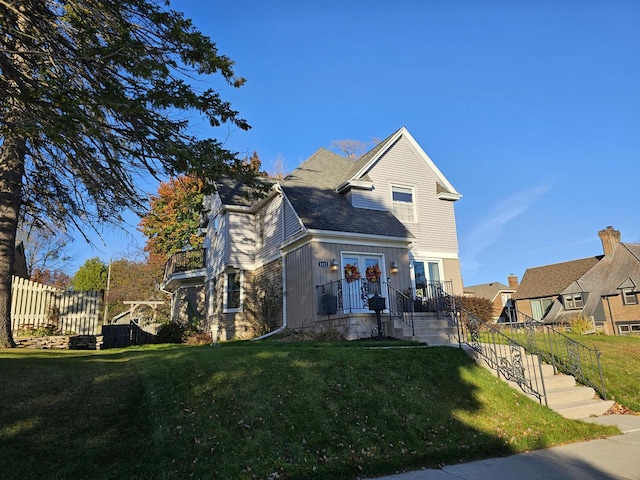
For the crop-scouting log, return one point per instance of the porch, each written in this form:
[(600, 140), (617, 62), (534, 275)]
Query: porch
[(420, 315), (184, 269)]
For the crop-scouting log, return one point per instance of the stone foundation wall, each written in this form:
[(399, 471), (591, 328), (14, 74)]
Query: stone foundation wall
[(61, 342)]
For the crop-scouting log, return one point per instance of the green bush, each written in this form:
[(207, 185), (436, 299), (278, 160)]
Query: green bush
[(170, 333)]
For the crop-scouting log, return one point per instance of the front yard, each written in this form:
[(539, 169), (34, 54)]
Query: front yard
[(260, 411)]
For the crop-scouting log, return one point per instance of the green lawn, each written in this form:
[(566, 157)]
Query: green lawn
[(620, 363), (260, 411)]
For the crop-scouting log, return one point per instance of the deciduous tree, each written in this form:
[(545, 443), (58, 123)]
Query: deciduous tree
[(95, 94), (172, 223), (92, 275)]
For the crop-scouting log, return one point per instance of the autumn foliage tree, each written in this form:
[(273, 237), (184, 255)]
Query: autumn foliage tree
[(172, 222)]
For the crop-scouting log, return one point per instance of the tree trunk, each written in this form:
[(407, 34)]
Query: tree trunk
[(12, 153)]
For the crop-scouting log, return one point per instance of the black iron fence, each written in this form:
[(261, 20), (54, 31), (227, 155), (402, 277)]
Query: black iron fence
[(509, 347), (565, 353)]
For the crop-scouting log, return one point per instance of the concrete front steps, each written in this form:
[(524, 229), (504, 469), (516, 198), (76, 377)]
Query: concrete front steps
[(564, 395), (428, 328)]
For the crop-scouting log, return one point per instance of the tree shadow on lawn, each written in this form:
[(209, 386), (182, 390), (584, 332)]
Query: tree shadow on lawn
[(250, 411), (71, 415)]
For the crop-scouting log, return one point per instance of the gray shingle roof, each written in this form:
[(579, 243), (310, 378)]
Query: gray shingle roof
[(311, 189), (488, 290)]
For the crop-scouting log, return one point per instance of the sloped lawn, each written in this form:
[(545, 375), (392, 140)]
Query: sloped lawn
[(260, 411)]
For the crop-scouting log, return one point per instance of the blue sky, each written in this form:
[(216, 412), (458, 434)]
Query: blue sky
[(530, 109)]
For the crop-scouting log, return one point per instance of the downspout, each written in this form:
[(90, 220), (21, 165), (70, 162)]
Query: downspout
[(284, 303)]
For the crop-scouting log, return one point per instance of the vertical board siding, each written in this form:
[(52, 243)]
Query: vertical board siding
[(300, 292), (33, 306), (304, 273)]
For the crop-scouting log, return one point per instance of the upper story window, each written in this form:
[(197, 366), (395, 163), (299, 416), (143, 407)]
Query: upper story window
[(629, 297), (573, 301), (403, 199)]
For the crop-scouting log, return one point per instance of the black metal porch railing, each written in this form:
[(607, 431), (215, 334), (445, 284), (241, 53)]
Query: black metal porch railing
[(344, 296), (183, 262)]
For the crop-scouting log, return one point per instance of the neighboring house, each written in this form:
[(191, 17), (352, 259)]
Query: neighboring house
[(325, 239), (602, 289), (498, 293)]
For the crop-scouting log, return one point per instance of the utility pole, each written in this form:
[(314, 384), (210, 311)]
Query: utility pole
[(106, 294)]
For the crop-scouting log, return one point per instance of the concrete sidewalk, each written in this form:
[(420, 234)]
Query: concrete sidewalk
[(613, 458)]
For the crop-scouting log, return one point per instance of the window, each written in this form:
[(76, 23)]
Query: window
[(505, 298), (426, 277), (629, 297), (403, 203), (540, 307), (573, 301), (627, 329), (233, 289)]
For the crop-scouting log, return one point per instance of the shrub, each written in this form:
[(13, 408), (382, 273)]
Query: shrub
[(581, 325), (170, 333), (478, 307)]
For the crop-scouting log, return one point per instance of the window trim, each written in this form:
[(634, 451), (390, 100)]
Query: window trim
[(627, 294), (403, 189), (225, 307), (570, 301)]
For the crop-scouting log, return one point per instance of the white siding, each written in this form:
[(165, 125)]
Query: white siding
[(241, 240), (435, 229), (291, 221), (270, 219)]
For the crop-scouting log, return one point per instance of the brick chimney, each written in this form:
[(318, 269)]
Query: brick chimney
[(513, 281), (610, 238)]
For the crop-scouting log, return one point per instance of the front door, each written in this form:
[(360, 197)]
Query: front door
[(363, 274)]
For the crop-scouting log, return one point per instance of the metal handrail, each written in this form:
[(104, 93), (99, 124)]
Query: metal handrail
[(403, 308), (566, 354), (507, 356), (535, 338)]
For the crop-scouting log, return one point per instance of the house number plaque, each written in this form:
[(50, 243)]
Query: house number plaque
[(323, 264)]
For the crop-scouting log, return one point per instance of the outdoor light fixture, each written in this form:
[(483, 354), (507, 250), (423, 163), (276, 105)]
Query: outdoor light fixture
[(394, 267), (334, 265)]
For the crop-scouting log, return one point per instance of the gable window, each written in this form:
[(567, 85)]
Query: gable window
[(629, 297), (573, 301), (403, 199), (233, 290)]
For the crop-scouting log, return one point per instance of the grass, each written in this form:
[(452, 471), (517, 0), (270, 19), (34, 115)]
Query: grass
[(620, 361), (260, 411)]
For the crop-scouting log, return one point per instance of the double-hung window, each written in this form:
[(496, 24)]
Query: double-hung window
[(629, 297), (233, 291), (403, 200)]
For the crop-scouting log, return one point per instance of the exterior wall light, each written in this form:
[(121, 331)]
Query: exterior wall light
[(394, 267), (334, 265)]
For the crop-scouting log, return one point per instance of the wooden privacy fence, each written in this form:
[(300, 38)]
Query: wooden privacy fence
[(34, 306)]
